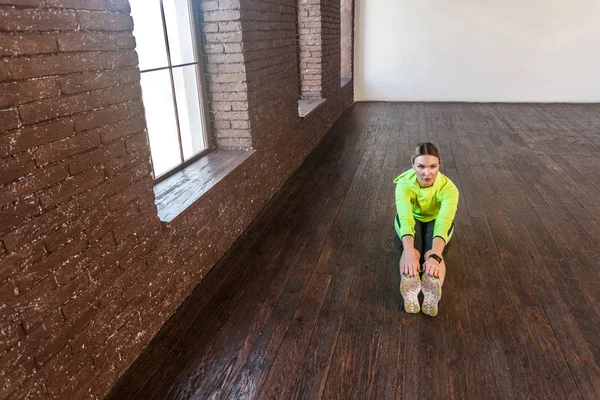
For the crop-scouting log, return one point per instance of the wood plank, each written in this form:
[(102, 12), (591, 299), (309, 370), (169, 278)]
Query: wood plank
[(306, 303), (282, 373)]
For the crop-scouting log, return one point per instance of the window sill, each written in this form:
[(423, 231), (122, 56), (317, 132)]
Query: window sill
[(345, 80), (307, 106), (179, 191)]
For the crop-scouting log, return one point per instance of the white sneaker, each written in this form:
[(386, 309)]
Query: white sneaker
[(410, 286), (432, 293)]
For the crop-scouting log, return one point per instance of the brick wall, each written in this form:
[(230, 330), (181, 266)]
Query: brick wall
[(225, 70), (309, 49), (347, 33), (88, 274)]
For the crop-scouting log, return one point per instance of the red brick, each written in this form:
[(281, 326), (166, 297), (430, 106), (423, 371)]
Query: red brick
[(70, 187), (114, 95), (39, 226), (80, 41), (67, 105), (96, 156), (16, 368), (128, 76), (14, 214), (16, 93), (44, 110), (43, 331), (68, 229), (141, 170), (4, 72), (62, 149), (26, 44), (122, 129), (137, 142), (149, 229), (14, 168), (41, 179), (141, 188), (104, 21), (52, 299), (88, 81), (112, 220), (36, 19), (11, 332), (20, 258), (56, 260), (100, 117), (33, 136), (67, 63), (74, 371), (9, 119), (118, 165), (106, 189), (135, 221), (136, 108), (34, 298), (110, 258)]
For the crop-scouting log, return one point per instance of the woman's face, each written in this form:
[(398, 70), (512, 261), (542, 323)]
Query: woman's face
[(427, 168)]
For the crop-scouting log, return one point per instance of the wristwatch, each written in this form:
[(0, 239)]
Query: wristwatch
[(435, 257)]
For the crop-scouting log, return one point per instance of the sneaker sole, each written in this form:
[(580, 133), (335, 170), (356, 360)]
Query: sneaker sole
[(410, 288), (432, 293)]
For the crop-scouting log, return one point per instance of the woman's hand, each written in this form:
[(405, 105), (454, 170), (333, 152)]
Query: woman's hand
[(432, 267), (409, 264)]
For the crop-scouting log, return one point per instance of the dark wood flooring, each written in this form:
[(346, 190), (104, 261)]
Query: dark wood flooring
[(306, 303)]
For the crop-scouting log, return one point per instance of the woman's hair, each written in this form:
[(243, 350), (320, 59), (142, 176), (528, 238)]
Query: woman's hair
[(426, 149)]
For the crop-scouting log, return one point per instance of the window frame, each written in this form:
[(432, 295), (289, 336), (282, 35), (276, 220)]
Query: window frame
[(201, 88)]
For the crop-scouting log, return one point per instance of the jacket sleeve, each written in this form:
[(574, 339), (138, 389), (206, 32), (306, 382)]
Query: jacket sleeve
[(448, 198), (404, 210)]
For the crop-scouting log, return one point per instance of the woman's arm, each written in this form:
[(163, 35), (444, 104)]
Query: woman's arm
[(448, 198), (409, 262), (431, 265)]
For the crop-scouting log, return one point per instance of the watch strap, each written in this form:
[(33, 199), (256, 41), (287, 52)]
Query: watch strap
[(435, 257)]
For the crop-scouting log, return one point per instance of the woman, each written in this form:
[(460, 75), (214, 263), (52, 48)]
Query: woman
[(426, 202)]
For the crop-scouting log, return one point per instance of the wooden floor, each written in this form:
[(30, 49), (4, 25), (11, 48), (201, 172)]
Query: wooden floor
[(306, 304)]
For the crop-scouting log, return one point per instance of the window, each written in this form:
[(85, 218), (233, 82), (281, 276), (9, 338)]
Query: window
[(171, 84)]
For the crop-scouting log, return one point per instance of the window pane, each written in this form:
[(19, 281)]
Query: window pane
[(188, 108), (149, 34), (161, 120), (180, 31)]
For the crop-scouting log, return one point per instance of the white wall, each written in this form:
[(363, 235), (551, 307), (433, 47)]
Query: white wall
[(477, 50)]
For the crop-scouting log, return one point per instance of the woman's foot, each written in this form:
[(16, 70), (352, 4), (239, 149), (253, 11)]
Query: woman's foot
[(432, 293), (410, 286)]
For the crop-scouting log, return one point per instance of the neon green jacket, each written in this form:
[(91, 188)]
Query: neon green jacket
[(438, 202)]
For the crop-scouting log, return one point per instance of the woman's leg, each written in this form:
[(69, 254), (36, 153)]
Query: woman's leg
[(431, 286), (410, 286)]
